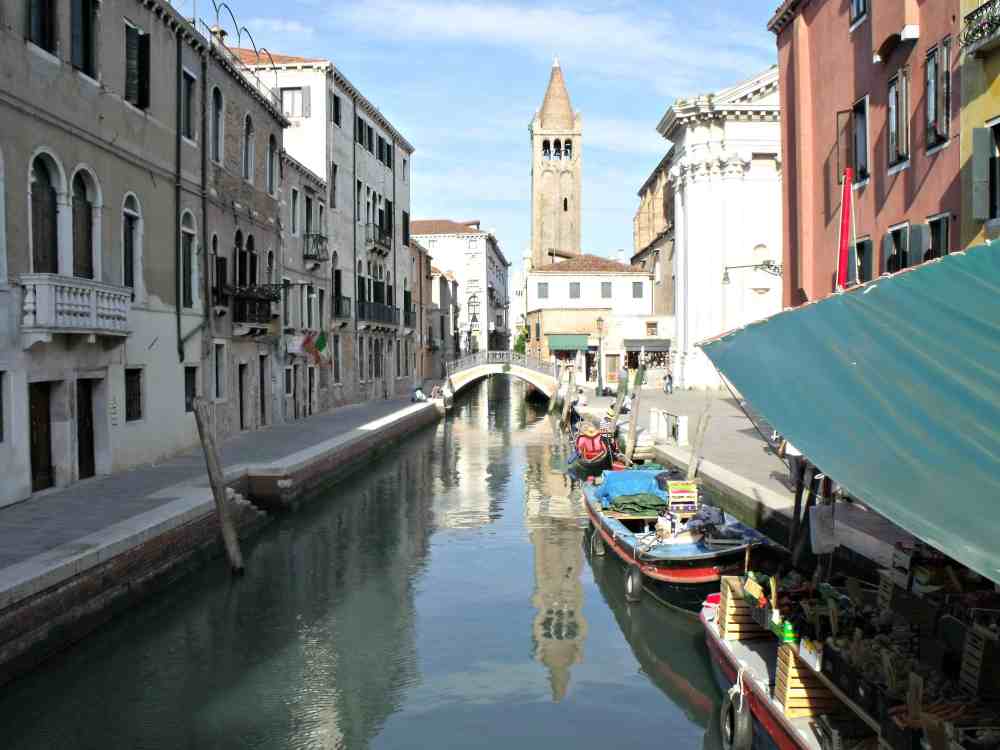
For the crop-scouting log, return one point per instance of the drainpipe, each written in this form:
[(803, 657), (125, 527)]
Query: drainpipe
[(354, 213), (395, 264), (177, 198), (209, 266)]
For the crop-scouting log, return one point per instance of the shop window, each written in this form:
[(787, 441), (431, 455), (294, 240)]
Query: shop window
[(133, 395)]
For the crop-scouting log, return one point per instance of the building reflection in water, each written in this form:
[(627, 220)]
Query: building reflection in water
[(556, 520)]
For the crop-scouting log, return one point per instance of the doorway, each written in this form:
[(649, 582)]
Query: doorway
[(40, 418), (86, 462), (311, 391), (295, 391), (243, 394), (590, 367), (264, 390)]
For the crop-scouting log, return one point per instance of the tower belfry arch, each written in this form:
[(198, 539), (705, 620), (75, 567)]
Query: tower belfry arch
[(556, 174)]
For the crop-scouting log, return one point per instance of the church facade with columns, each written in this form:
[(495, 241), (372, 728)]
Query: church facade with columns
[(711, 215)]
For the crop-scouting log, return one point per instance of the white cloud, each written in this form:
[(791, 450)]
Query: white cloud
[(279, 26)]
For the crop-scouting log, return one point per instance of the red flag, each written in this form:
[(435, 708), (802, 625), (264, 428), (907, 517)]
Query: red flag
[(845, 229)]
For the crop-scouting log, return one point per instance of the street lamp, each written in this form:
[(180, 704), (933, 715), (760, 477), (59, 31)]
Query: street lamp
[(600, 357), (768, 266)]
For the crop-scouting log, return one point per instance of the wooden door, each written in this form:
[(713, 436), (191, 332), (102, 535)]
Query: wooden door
[(243, 394), (85, 428), (42, 475), (312, 390)]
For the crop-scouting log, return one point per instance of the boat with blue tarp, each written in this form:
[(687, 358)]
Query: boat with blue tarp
[(675, 547)]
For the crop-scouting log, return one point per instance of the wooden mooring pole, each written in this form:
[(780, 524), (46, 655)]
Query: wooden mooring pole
[(215, 478)]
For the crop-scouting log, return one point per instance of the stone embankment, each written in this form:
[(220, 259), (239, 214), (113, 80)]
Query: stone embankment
[(73, 558)]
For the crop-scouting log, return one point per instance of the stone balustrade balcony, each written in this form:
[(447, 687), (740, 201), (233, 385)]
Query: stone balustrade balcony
[(53, 304)]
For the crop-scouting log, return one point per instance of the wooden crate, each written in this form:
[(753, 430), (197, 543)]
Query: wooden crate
[(736, 622), (799, 689)]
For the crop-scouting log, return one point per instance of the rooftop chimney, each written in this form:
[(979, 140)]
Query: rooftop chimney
[(219, 34)]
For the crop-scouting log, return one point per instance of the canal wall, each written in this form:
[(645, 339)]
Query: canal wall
[(54, 599)]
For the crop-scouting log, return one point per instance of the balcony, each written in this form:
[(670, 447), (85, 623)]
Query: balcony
[(378, 239), (252, 304), (982, 28), (342, 307), (409, 316), (376, 312), (314, 248), (65, 304)]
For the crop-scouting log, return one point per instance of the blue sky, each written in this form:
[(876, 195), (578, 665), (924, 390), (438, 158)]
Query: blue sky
[(462, 80)]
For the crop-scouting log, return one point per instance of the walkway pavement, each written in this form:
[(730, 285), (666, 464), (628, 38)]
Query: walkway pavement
[(54, 518)]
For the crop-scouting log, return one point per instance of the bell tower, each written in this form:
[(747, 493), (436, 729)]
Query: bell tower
[(556, 168)]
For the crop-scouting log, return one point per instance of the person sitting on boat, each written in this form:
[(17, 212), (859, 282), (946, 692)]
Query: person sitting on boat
[(418, 395), (590, 443)]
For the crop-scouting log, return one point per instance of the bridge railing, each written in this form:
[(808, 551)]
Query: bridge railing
[(500, 357)]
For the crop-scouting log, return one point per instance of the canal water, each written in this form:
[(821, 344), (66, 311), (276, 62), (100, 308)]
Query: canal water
[(441, 597)]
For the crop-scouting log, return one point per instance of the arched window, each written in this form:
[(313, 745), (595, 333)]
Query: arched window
[(272, 164), (85, 233), (188, 232), (568, 149), (131, 242), (557, 150), (241, 261), (251, 261), (44, 234), (270, 267), (217, 122), (546, 150), (248, 147)]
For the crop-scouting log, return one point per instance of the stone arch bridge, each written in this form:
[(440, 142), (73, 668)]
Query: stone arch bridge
[(473, 367)]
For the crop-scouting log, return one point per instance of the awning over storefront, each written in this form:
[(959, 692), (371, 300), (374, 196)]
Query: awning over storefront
[(651, 345), (567, 342), (893, 390)]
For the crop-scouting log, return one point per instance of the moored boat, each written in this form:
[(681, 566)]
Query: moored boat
[(675, 548)]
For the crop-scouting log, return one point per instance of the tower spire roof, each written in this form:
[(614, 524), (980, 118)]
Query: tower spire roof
[(556, 112)]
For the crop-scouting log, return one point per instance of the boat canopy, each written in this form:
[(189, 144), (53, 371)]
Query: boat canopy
[(893, 390)]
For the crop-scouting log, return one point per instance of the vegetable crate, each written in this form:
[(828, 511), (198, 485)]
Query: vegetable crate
[(736, 621), (799, 689)]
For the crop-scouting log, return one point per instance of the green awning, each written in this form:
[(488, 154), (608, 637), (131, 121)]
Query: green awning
[(893, 390), (567, 342)]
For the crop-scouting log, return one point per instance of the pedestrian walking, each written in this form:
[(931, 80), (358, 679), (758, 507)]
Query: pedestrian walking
[(668, 383)]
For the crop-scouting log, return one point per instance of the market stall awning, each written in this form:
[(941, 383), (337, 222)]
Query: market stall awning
[(567, 342), (651, 345), (893, 390)]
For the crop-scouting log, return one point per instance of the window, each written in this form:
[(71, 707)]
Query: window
[(565, 204), (44, 228), (309, 213), (361, 357), (371, 140), (217, 120), (861, 271), (187, 260), (84, 14), (291, 102), (336, 358), (130, 240), (333, 184), (272, 164), (336, 110), (133, 395), (651, 328), (636, 290), (219, 294), (286, 292), (190, 387), (220, 370), (404, 170), (406, 228), (399, 369), (84, 194), (289, 384), (248, 147), (543, 290), (136, 66), (574, 290), (294, 210), (605, 290), (359, 130), (41, 27), (939, 237), (898, 112), (895, 250), (986, 153), (310, 295), (322, 308), (858, 10), (938, 81), (538, 330), (859, 139), (187, 105)]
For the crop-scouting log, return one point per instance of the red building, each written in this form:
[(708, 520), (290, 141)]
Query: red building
[(870, 84)]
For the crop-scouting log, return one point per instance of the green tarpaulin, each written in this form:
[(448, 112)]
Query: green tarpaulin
[(893, 390), (567, 342)]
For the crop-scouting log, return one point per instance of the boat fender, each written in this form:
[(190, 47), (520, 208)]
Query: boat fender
[(734, 718), (596, 543), (633, 584)]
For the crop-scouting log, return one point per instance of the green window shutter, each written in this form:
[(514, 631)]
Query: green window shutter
[(143, 65), (306, 101), (887, 248), (982, 151), (132, 64), (920, 243)]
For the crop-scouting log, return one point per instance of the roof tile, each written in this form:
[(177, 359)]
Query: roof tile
[(587, 264)]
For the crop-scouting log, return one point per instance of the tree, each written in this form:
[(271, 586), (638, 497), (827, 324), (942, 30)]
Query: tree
[(520, 344)]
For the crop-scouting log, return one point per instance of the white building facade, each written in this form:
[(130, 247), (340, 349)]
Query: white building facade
[(725, 179), (481, 270)]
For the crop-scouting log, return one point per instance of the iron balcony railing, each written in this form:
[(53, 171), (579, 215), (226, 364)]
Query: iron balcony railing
[(314, 247), (409, 315), (376, 312), (342, 307), (252, 303), (981, 24), (378, 238), (500, 357)]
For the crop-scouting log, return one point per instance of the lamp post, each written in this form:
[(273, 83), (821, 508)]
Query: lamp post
[(600, 340)]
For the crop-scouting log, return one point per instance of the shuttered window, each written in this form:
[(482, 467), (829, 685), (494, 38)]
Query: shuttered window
[(938, 93), (41, 26), (137, 57), (605, 290), (898, 119), (133, 395), (83, 14), (187, 106), (574, 290)]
